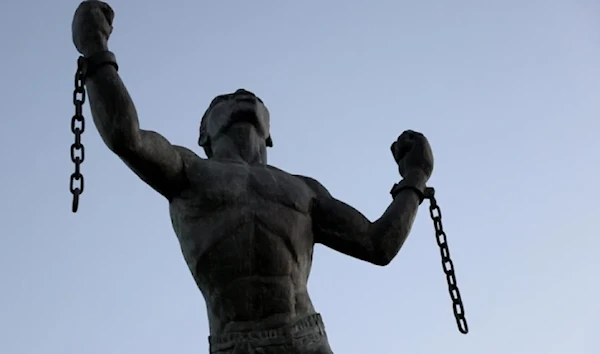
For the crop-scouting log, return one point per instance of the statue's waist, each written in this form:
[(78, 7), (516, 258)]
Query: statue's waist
[(256, 299), (309, 328)]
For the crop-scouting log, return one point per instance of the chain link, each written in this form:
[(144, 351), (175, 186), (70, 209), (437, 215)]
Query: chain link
[(447, 265), (78, 127)]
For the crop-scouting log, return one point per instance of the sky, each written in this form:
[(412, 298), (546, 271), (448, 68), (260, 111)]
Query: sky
[(507, 92)]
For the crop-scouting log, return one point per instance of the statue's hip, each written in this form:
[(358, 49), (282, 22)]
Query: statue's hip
[(305, 336)]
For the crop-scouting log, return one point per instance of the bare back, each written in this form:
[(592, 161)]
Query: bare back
[(246, 235)]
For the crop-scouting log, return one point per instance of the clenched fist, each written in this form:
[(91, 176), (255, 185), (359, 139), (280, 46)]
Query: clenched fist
[(413, 155), (92, 25)]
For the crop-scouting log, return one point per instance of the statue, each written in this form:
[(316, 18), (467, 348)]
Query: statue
[(246, 229)]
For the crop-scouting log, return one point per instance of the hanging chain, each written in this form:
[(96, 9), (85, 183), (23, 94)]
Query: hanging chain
[(78, 127), (447, 265)]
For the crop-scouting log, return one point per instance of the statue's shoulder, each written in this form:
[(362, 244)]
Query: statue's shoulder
[(185, 152), (313, 184), (189, 157)]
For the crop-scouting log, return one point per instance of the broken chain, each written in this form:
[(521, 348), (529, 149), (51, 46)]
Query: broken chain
[(457, 304), (78, 127)]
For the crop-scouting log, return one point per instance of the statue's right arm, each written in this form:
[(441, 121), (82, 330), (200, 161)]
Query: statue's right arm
[(147, 153)]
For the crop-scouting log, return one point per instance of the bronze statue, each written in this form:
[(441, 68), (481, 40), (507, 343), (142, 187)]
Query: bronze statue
[(246, 229)]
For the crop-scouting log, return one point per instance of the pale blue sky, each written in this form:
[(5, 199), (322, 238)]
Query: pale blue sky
[(508, 92)]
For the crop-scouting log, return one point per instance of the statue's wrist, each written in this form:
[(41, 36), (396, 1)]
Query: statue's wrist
[(413, 182), (99, 59), (92, 49)]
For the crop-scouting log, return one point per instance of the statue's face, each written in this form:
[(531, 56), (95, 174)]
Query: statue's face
[(241, 107)]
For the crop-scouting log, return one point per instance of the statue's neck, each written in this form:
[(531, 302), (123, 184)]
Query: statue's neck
[(240, 143)]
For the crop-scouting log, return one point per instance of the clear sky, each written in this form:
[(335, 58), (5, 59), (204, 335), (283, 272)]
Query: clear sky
[(508, 93)]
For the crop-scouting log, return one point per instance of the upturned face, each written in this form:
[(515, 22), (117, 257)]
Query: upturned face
[(240, 107)]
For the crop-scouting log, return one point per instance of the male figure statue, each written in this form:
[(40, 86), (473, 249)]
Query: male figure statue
[(246, 229)]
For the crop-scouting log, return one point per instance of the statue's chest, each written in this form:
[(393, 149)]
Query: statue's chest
[(241, 215), (218, 186)]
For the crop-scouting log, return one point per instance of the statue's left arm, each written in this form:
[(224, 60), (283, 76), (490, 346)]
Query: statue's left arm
[(343, 228)]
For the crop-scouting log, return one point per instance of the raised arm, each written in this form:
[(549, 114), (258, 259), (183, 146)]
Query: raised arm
[(343, 228), (147, 153)]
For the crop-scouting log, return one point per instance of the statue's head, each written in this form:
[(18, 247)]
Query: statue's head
[(226, 110)]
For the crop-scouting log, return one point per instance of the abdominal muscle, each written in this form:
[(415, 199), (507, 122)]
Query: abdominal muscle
[(256, 303), (251, 281)]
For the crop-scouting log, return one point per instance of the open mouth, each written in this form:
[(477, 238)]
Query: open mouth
[(244, 116)]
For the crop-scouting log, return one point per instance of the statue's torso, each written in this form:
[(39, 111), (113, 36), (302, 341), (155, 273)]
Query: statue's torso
[(246, 235)]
